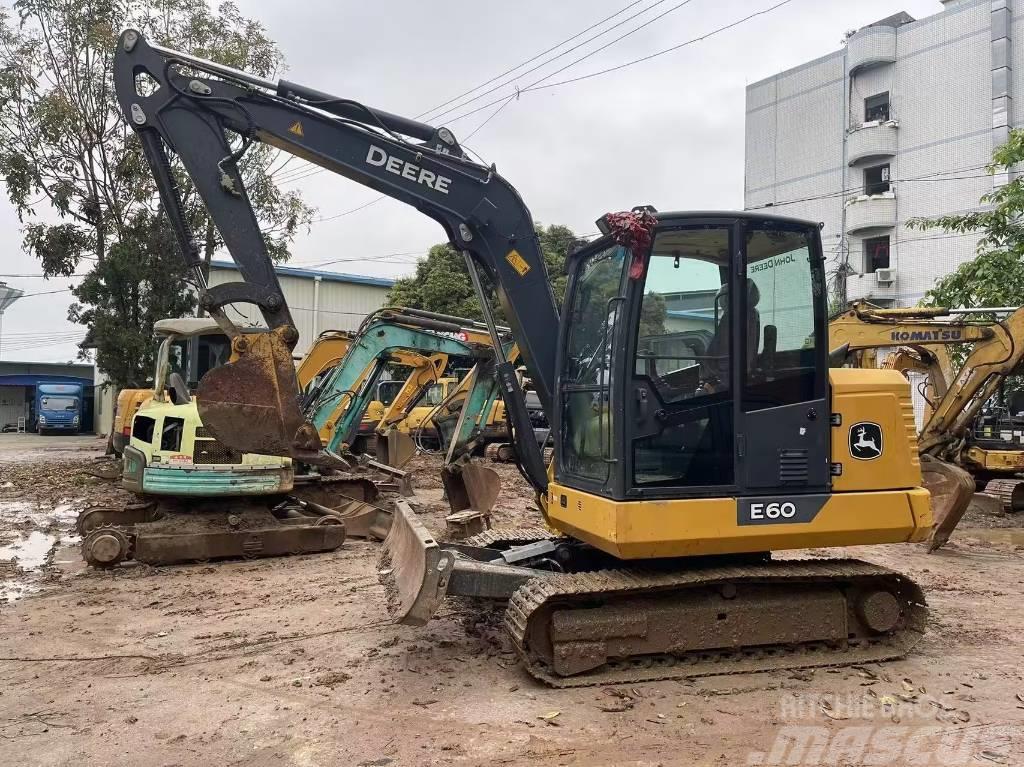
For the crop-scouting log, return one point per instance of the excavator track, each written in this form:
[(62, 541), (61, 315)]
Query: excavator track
[(617, 626), (1010, 493)]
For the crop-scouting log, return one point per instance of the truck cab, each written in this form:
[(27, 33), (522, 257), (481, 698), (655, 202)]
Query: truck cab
[(59, 408)]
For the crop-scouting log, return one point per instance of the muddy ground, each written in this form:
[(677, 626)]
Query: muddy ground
[(293, 662)]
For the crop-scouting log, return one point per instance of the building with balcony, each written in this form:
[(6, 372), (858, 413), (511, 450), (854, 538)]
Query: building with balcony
[(898, 124)]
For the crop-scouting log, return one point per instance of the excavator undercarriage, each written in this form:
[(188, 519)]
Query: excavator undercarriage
[(314, 516), (577, 617)]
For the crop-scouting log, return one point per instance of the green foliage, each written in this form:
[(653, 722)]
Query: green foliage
[(65, 148), (995, 277), (653, 314), (441, 283), (136, 284)]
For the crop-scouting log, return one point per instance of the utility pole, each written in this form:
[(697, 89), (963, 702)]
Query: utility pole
[(8, 296)]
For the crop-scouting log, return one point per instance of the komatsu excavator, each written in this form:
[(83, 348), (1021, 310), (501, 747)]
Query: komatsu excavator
[(677, 477), (957, 453)]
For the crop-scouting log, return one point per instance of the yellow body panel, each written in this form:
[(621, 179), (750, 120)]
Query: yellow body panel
[(1010, 461), (699, 526), (326, 353), (882, 397), (876, 501)]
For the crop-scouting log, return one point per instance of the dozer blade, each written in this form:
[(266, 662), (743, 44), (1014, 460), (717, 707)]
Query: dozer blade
[(470, 485), (361, 519), (252, 404), (951, 489), (396, 448), (413, 569)]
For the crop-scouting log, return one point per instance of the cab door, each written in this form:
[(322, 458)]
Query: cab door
[(680, 367), (783, 416)]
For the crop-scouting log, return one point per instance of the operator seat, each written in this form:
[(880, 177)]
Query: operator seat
[(718, 369)]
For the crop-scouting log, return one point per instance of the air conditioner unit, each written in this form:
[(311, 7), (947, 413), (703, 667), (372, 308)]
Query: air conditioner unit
[(885, 277)]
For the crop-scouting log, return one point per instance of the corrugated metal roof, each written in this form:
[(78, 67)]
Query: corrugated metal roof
[(39, 378), (295, 271)]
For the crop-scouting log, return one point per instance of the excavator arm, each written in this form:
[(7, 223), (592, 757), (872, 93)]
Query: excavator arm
[(208, 114), (346, 392), (923, 339), (985, 369)]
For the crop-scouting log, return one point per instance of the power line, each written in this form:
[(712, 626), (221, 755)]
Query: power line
[(385, 257), (494, 114), (642, 59), (623, 36), (542, 53), (536, 85), (349, 212), (302, 173)]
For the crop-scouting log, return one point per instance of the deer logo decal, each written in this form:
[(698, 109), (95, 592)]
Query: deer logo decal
[(866, 441)]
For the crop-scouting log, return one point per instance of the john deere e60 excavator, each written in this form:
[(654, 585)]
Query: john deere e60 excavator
[(675, 475)]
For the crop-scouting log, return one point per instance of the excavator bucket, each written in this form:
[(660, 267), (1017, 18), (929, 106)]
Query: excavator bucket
[(413, 569), (252, 403), (951, 489), (470, 485), (396, 448)]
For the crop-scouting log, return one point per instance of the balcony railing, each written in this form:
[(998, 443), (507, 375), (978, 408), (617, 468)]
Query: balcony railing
[(871, 140), (875, 211), (869, 47)]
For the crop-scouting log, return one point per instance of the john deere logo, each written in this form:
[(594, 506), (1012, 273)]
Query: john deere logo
[(866, 441)]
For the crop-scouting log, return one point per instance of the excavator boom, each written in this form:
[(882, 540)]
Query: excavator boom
[(208, 120)]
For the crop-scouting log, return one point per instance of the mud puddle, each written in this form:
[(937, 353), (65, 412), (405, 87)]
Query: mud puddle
[(1012, 535), (29, 536)]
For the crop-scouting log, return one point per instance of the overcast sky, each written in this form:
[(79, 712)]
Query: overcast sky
[(668, 132)]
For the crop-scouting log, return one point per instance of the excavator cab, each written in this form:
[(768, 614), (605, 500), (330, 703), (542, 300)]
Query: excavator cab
[(747, 414)]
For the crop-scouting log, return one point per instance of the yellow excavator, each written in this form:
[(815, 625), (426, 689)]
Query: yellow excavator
[(962, 448), (679, 478)]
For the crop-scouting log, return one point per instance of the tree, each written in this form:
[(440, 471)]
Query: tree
[(441, 283), (136, 284), (67, 154), (995, 276)]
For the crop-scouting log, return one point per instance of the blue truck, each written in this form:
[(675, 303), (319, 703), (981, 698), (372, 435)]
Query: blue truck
[(59, 407)]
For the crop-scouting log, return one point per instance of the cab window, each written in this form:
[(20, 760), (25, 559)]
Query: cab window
[(593, 315), (683, 362), (781, 359)]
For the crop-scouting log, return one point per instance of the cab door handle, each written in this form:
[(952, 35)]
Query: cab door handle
[(641, 404)]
